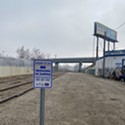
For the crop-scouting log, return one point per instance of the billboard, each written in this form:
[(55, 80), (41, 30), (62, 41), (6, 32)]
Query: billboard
[(101, 30)]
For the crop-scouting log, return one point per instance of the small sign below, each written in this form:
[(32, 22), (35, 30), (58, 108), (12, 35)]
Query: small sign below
[(42, 71)]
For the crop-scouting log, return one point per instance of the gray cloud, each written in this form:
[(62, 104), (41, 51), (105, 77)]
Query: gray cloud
[(114, 18), (63, 27)]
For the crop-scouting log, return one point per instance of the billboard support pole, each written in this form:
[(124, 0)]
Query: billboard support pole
[(108, 45), (104, 56), (97, 48), (114, 46)]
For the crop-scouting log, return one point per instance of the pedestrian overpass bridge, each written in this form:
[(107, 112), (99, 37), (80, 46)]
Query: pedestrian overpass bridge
[(79, 60)]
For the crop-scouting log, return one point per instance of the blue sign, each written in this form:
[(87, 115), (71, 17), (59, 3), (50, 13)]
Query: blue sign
[(42, 71)]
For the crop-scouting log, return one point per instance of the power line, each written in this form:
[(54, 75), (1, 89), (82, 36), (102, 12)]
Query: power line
[(120, 26)]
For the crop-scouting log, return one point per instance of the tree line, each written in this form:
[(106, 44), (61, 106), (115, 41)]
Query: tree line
[(31, 54)]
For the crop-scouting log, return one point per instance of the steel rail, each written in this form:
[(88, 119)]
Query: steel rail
[(25, 91), (14, 86)]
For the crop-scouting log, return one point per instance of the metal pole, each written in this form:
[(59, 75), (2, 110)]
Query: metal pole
[(108, 45), (42, 103), (80, 66), (104, 56), (97, 48), (114, 46), (56, 66)]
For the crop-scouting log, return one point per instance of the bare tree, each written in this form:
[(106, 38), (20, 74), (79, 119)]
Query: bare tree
[(27, 54), (22, 53), (36, 54), (48, 55)]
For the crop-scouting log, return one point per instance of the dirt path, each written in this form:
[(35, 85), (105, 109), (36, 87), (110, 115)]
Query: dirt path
[(75, 99)]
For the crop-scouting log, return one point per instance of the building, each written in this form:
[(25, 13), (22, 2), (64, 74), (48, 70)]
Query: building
[(113, 60)]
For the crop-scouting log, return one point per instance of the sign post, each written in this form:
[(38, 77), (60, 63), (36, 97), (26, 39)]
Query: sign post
[(42, 104), (42, 70)]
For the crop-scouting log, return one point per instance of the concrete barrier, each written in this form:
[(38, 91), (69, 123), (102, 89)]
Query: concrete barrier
[(12, 71)]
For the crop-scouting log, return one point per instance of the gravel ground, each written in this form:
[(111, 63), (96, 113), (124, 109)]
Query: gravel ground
[(75, 99)]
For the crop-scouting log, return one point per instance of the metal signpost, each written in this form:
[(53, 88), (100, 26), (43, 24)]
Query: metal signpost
[(42, 79)]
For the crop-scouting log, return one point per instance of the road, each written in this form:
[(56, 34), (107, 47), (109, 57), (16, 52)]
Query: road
[(75, 99)]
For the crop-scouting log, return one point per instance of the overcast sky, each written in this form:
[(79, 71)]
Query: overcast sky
[(61, 27)]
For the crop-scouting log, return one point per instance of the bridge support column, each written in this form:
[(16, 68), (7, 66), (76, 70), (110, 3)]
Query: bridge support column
[(56, 66), (80, 67)]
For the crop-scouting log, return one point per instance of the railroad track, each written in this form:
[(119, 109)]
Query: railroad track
[(14, 78), (16, 89)]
